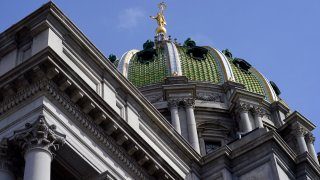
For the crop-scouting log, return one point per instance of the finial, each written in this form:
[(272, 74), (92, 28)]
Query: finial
[(160, 19)]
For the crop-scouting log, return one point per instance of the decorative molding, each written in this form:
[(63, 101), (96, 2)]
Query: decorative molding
[(155, 98), (51, 89), (39, 135), (206, 96), (97, 132)]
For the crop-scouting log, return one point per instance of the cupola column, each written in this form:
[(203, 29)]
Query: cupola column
[(258, 114), (310, 140), (191, 124), (245, 124), (5, 163), (175, 121), (38, 141), (300, 132)]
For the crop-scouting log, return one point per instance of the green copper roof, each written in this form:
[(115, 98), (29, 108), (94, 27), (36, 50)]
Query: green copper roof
[(211, 66), (154, 72), (199, 70), (251, 82)]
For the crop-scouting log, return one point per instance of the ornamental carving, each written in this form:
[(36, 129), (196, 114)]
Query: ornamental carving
[(244, 106), (214, 97), (259, 111), (188, 102), (310, 138), (173, 103), (39, 134), (299, 131)]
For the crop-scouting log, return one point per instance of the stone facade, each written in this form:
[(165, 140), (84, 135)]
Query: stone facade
[(67, 113)]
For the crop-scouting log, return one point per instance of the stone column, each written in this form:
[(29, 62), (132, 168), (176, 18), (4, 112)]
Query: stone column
[(38, 141), (243, 109), (175, 121), (310, 140), (258, 114), (5, 163), (192, 125), (300, 132)]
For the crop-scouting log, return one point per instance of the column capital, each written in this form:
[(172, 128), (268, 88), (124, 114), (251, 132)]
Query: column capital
[(243, 106), (259, 111), (310, 138), (300, 131), (173, 103), (39, 135), (188, 102)]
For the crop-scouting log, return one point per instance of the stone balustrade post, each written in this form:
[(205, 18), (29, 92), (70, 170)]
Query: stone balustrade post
[(175, 121), (191, 124), (5, 162), (310, 145), (38, 141)]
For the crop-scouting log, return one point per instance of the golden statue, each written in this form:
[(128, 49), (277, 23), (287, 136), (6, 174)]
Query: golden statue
[(160, 19)]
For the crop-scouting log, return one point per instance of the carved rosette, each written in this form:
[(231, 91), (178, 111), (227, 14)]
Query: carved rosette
[(310, 138), (173, 103), (188, 102), (39, 135)]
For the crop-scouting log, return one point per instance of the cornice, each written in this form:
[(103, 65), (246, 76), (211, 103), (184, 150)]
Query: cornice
[(50, 88), (296, 117)]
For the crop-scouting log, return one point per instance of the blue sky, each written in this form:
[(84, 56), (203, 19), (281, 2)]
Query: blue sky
[(279, 38)]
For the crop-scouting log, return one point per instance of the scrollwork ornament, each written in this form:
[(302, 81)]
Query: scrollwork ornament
[(39, 135)]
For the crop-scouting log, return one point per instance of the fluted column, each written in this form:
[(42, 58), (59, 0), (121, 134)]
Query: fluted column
[(258, 114), (243, 110), (192, 125), (309, 141), (38, 141), (173, 105), (5, 163), (300, 132)]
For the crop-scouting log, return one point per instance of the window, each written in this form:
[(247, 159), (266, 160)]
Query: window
[(210, 146)]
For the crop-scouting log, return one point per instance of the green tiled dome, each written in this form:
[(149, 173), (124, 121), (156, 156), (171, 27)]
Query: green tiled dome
[(143, 74), (199, 70), (171, 59), (250, 80)]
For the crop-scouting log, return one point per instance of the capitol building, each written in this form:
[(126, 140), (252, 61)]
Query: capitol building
[(171, 111)]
